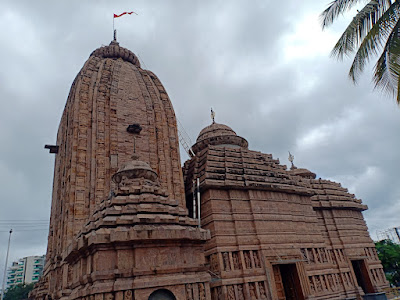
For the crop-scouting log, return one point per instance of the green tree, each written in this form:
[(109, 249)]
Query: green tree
[(18, 292), (389, 254), (374, 31)]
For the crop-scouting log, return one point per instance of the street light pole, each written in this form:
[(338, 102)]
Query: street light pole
[(5, 267)]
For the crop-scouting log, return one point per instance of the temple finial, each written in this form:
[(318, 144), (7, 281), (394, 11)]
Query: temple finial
[(115, 35), (291, 159), (212, 115)]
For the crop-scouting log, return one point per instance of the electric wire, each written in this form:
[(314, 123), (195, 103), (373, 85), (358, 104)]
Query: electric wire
[(24, 225)]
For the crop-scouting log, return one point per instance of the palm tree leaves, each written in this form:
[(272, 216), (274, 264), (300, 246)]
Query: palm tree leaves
[(360, 27), (374, 30), (387, 68), (371, 35), (335, 9)]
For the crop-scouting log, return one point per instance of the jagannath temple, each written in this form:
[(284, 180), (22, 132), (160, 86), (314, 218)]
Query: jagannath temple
[(128, 222)]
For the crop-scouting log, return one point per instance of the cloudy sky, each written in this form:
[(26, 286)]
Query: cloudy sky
[(263, 66)]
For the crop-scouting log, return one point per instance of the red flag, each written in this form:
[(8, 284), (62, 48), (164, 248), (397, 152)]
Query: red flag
[(124, 13)]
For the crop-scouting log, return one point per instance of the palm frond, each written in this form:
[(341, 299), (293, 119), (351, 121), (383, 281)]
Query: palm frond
[(361, 25), (375, 39), (334, 9), (387, 69)]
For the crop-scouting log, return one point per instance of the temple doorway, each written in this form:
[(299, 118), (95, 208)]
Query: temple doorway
[(362, 275), (162, 294), (287, 282)]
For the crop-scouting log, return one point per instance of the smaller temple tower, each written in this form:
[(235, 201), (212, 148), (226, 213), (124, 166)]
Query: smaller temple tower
[(138, 244), (276, 233)]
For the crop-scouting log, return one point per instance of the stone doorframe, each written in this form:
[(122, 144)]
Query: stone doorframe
[(298, 265)]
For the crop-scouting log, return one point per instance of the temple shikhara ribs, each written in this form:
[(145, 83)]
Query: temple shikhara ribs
[(123, 209)]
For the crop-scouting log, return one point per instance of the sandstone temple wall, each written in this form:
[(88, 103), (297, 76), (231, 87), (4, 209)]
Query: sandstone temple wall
[(266, 222)]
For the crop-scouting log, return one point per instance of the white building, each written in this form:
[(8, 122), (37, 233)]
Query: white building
[(25, 270)]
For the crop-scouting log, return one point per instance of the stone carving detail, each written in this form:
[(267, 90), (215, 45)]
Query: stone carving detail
[(383, 276), (231, 292), (252, 289), (304, 253), (225, 257), (236, 260), (202, 291), (338, 281), (348, 282), (251, 260), (240, 292), (312, 286), (214, 266), (219, 293), (189, 292), (330, 282), (109, 296), (59, 278), (340, 255), (70, 273), (256, 259), (315, 255), (323, 255), (261, 288), (374, 276), (378, 275), (318, 285), (331, 256), (247, 259), (311, 256), (216, 293), (128, 295), (324, 282), (345, 279), (371, 253)]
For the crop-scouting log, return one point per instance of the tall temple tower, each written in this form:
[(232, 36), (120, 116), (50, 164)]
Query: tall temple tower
[(119, 226)]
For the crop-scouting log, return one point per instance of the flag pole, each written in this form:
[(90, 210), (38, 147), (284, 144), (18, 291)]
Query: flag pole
[(117, 16), (5, 268)]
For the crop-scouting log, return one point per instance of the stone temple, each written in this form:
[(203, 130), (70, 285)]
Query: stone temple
[(124, 212)]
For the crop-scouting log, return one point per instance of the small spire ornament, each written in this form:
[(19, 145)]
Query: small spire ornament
[(212, 115), (291, 159)]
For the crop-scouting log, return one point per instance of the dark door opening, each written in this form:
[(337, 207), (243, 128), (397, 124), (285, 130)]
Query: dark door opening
[(162, 294), (189, 204), (362, 275), (287, 282)]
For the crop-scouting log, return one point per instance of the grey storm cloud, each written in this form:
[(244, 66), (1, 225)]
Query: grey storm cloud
[(231, 56)]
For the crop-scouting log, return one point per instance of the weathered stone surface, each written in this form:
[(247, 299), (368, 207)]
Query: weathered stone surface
[(109, 94), (266, 220), (120, 227)]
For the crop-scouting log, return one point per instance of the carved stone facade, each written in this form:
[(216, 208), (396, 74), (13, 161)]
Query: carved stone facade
[(120, 225), (277, 233)]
